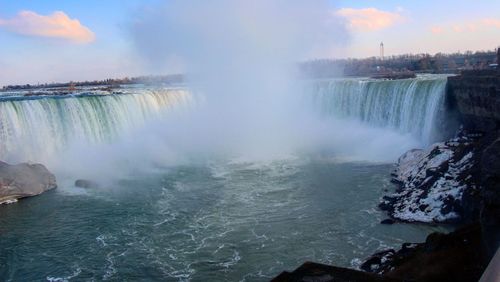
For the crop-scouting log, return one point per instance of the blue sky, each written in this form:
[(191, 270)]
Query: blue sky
[(34, 49)]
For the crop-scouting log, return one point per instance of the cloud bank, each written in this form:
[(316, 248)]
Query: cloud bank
[(472, 26), (57, 25), (369, 19)]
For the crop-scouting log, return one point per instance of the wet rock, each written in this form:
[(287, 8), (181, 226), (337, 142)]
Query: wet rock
[(455, 256), (387, 221), (310, 271), (84, 183), (443, 257), (24, 180), (374, 263)]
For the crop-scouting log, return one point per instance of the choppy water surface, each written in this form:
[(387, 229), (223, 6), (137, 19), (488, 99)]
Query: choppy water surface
[(221, 221)]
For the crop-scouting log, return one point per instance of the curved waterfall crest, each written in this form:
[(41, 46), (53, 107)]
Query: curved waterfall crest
[(44, 125), (47, 124), (413, 106)]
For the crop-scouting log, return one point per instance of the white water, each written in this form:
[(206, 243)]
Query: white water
[(414, 106), (366, 119), (33, 129)]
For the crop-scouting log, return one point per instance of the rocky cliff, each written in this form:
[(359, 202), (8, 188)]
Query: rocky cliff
[(24, 180), (475, 96)]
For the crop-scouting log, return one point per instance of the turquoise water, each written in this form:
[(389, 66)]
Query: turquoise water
[(225, 221)]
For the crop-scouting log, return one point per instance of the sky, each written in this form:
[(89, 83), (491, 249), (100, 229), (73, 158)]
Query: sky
[(57, 41)]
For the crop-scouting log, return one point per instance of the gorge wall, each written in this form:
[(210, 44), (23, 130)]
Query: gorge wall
[(475, 96)]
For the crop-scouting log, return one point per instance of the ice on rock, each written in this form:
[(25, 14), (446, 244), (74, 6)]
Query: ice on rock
[(432, 182)]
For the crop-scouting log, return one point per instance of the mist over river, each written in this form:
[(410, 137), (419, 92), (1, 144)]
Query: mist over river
[(168, 210)]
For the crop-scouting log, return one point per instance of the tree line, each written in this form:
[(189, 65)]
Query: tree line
[(418, 63), (112, 82)]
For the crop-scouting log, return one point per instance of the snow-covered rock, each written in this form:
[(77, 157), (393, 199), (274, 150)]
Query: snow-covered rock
[(432, 182)]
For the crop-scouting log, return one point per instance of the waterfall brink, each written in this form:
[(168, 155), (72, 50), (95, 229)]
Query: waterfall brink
[(39, 126), (409, 106)]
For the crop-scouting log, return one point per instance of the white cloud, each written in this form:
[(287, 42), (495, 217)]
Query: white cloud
[(56, 25), (369, 19)]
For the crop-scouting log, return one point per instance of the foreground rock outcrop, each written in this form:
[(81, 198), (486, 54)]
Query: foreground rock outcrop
[(311, 271), (24, 180), (442, 257)]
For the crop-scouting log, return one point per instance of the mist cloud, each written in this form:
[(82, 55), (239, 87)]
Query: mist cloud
[(240, 56), (219, 32)]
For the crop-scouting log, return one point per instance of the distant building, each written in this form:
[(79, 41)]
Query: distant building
[(382, 50), (495, 65)]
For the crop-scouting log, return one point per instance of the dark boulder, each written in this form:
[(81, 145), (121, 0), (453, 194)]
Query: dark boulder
[(387, 221), (83, 183)]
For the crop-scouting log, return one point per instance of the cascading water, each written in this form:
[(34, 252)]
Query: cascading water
[(32, 126), (218, 219), (414, 106)]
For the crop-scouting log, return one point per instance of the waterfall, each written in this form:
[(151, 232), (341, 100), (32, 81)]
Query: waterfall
[(408, 106), (32, 125)]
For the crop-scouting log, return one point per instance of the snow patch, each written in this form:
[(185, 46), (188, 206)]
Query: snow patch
[(432, 182)]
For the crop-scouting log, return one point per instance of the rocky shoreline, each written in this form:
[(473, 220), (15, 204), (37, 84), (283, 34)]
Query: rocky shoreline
[(24, 180), (456, 256), (456, 181)]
